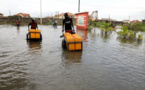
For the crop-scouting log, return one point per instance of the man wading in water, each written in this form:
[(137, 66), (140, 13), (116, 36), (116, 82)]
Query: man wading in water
[(33, 24), (68, 24)]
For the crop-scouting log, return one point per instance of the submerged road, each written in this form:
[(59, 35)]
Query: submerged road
[(106, 62)]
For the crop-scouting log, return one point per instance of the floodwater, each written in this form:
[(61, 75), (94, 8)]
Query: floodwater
[(106, 62)]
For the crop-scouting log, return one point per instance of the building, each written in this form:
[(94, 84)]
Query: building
[(134, 21), (1, 15), (94, 15), (61, 16), (126, 21), (25, 15)]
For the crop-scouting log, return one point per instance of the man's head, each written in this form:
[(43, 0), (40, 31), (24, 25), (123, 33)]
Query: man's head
[(33, 19), (65, 15)]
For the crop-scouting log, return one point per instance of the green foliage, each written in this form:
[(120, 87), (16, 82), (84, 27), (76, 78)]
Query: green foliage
[(131, 34), (97, 24), (126, 33), (106, 27), (125, 29), (59, 23), (89, 28), (13, 16), (140, 36), (137, 26), (128, 26), (74, 24), (94, 24), (123, 33), (49, 23), (90, 21)]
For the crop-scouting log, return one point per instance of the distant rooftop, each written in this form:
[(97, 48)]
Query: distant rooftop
[(23, 14)]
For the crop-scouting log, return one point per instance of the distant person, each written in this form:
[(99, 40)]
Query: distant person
[(17, 22), (111, 24), (106, 21), (67, 24), (53, 22), (33, 24), (56, 22)]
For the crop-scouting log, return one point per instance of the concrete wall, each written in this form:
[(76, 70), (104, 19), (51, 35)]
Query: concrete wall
[(12, 20), (113, 22), (143, 21)]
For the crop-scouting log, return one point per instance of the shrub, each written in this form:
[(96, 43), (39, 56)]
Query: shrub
[(97, 24), (89, 28), (131, 34), (106, 27), (125, 33), (140, 36), (137, 26)]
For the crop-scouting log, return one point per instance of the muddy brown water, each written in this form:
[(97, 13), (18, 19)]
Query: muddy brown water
[(106, 62)]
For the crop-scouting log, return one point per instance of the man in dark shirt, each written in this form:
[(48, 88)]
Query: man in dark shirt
[(33, 24), (17, 22), (68, 24)]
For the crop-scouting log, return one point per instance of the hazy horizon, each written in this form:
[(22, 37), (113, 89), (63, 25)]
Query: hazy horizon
[(117, 9)]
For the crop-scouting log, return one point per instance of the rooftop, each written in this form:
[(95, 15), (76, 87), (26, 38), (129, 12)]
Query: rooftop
[(24, 14)]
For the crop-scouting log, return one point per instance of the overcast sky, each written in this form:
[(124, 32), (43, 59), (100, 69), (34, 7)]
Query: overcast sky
[(117, 9)]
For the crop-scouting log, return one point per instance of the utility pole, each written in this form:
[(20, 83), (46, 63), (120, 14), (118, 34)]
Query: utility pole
[(79, 6), (41, 12), (109, 16), (58, 14), (9, 12)]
